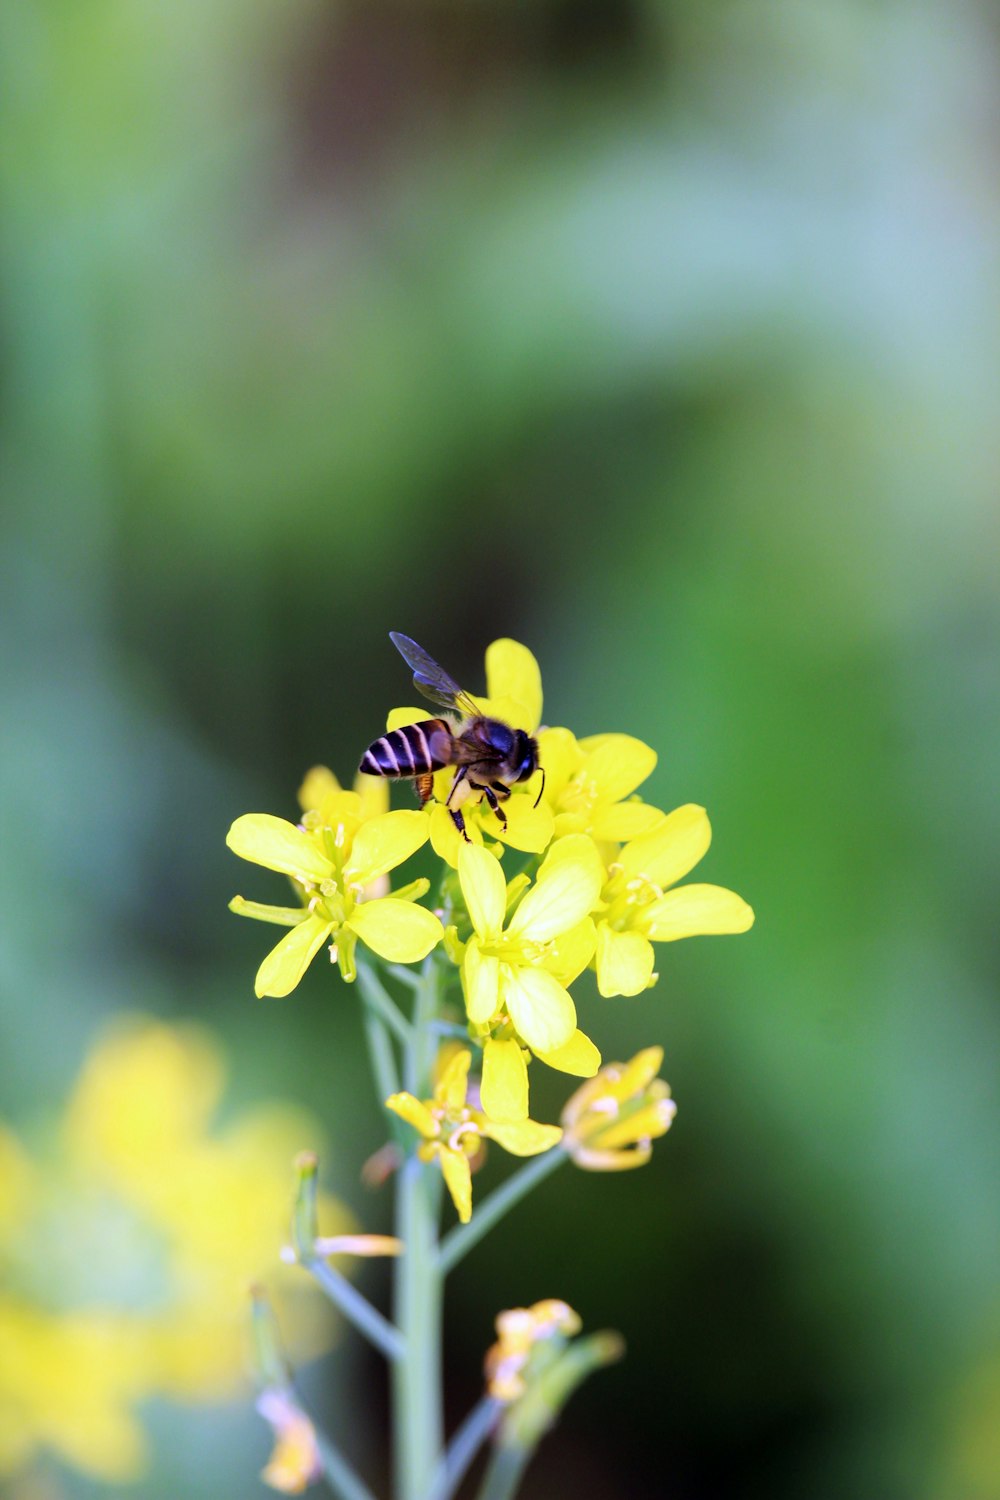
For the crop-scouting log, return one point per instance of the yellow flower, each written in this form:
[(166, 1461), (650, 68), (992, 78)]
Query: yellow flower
[(519, 1329), (588, 781), (640, 910), (148, 1224), (295, 1462), (513, 694), (453, 1130), (336, 860), (515, 976), (609, 1124)]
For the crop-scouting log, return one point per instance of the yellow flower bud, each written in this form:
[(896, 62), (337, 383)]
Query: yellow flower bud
[(609, 1124)]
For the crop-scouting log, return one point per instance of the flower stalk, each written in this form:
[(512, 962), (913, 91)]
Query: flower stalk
[(418, 1421), (502, 951)]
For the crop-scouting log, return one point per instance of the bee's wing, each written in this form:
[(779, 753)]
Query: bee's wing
[(432, 680)]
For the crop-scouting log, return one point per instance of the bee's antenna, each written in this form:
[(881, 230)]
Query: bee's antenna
[(541, 788)]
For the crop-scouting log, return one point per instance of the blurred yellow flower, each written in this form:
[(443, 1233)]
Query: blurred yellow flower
[(609, 1124), (639, 909), (295, 1461), (513, 694), (127, 1246), (453, 1130), (519, 1329), (515, 976), (338, 860)]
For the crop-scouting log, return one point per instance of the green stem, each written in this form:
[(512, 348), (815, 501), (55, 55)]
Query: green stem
[(380, 1001), (383, 1059), (359, 1311), (418, 1424), (464, 1446), (505, 1471), (381, 1054), (337, 1471), (459, 1241), (410, 977)]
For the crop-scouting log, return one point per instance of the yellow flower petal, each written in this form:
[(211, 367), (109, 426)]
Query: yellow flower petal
[(566, 890), (400, 718), (414, 1113), (373, 795), (480, 981), (562, 757), (696, 910), (672, 849), (624, 961), (286, 963), (576, 849), (512, 672), (484, 889), (383, 843), (638, 1073), (282, 916), (540, 1008), (623, 821), (278, 845), (653, 1120), (453, 1084), (504, 1089), (446, 840), (618, 764), (578, 1056), (593, 1160), (524, 1138), (317, 784), (396, 930), (571, 952), (458, 1179), (529, 828)]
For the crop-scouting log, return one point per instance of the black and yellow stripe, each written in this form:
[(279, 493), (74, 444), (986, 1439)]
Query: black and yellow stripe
[(414, 750)]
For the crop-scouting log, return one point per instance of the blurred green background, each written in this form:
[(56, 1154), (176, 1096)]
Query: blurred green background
[(664, 337)]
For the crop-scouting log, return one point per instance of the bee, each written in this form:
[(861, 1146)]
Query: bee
[(488, 755)]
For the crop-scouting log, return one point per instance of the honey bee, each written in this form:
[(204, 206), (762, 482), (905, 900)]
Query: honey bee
[(489, 756)]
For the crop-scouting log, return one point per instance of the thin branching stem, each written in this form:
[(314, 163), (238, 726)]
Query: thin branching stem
[(505, 1472), (464, 1446), (459, 1241), (337, 1472), (378, 998), (358, 1310)]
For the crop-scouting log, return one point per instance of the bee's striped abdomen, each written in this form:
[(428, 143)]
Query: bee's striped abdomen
[(414, 750)]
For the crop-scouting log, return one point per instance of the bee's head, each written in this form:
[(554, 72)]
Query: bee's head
[(524, 756)]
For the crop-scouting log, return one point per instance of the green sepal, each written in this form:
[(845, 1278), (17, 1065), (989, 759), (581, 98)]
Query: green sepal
[(305, 1223)]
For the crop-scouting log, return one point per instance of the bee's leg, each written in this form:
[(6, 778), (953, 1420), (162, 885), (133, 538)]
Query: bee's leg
[(456, 815), (425, 787), (491, 797), (460, 776)]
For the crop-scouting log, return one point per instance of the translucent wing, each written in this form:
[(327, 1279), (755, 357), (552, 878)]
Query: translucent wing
[(432, 680)]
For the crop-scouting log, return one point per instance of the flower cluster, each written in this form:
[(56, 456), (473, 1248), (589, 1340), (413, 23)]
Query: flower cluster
[(337, 859), (600, 886), (550, 865)]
